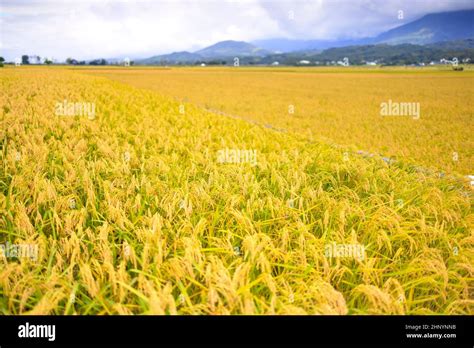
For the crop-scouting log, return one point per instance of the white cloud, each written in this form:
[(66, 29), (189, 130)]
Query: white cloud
[(347, 19), (137, 28), (114, 28)]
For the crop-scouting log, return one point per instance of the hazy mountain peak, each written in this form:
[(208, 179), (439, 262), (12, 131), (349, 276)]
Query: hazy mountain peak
[(434, 27), (431, 28), (231, 48)]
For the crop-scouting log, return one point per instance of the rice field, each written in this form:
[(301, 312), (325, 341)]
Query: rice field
[(337, 105), (138, 200)]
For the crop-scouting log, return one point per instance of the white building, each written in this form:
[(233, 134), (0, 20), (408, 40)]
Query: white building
[(344, 62)]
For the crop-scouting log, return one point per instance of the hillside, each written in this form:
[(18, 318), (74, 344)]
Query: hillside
[(174, 57), (399, 54), (436, 27), (382, 53), (445, 26), (224, 50)]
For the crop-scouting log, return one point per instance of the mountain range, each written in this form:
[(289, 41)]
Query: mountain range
[(440, 30), (221, 50), (431, 28)]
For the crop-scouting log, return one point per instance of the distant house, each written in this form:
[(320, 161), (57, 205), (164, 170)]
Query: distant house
[(344, 62), (203, 64), (371, 63), (447, 61), (275, 63), (304, 62)]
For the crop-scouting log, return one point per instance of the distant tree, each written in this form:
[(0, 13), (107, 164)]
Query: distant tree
[(69, 60), (98, 62), (2, 59), (48, 61), (72, 61), (25, 59)]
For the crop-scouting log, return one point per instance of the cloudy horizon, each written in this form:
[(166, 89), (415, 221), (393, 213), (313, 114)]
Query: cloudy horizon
[(141, 28)]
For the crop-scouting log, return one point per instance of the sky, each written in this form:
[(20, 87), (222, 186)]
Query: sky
[(86, 29)]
